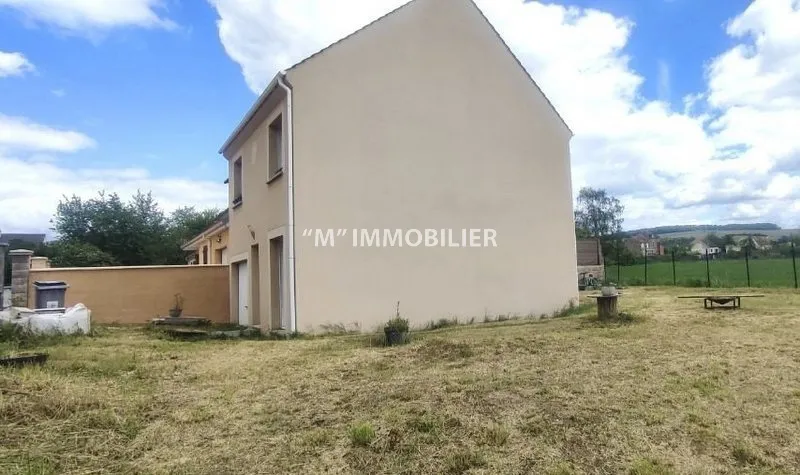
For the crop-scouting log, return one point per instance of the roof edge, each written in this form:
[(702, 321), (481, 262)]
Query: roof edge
[(524, 69), (189, 245), (252, 112), (347, 37)]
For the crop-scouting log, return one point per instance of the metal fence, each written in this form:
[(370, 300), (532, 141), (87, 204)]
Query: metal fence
[(742, 269)]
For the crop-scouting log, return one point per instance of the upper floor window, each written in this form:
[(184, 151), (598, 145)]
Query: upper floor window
[(276, 147), (237, 181)]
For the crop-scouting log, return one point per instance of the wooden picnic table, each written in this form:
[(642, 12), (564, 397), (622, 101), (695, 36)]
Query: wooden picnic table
[(721, 300)]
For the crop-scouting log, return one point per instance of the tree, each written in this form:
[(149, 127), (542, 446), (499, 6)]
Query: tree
[(77, 254), (107, 231), (184, 224), (712, 240), (131, 232), (680, 246), (598, 213)]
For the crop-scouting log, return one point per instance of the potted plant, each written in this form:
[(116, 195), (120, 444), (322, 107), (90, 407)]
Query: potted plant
[(177, 309), (396, 329)]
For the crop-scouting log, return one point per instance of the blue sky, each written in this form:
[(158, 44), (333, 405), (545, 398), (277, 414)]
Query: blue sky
[(164, 100), (141, 94)]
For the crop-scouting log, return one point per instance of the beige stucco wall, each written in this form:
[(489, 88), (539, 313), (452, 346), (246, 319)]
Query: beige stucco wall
[(39, 262), (216, 242), (263, 213), (137, 294), (426, 121)]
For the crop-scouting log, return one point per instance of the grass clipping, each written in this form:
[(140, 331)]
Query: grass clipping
[(682, 390)]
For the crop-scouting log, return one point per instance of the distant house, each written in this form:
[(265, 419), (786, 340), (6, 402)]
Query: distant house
[(761, 243), (8, 238), (644, 245), (210, 246), (733, 248), (700, 248)]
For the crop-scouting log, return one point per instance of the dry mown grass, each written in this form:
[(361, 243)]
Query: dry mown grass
[(677, 390)]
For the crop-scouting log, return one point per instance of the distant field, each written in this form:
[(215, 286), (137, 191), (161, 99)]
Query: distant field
[(724, 273), (736, 232)]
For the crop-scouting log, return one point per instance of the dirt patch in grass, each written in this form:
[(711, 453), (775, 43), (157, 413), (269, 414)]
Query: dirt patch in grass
[(678, 390)]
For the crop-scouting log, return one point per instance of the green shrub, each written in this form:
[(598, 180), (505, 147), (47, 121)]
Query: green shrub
[(11, 333), (19, 336), (397, 324), (362, 434)]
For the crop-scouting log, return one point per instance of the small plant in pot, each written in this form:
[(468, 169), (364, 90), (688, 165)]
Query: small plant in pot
[(396, 329), (177, 309)]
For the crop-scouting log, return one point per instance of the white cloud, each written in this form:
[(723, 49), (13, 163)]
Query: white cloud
[(14, 64), (664, 81), (266, 36), (665, 164), (17, 133), (84, 16), (59, 92), (29, 200)]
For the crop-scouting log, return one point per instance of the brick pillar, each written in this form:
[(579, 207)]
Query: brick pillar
[(20, 272)]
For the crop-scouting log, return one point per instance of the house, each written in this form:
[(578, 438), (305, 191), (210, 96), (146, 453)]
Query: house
[(702, 249), (733, 248), (211, 245), (414, 163), (644, 245), (761, 243)]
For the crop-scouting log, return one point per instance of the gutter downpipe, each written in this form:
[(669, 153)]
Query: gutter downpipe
[(290, 200)]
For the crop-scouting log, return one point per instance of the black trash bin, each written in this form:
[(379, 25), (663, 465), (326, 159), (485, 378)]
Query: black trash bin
[(50, 294)]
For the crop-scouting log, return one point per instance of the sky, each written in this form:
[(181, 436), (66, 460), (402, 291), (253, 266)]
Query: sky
[(686, 110)]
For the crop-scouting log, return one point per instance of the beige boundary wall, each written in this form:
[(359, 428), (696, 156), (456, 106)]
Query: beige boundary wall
[(134, 295)]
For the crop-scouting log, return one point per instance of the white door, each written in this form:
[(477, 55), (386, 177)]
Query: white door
[(244, 286), (224, 256)]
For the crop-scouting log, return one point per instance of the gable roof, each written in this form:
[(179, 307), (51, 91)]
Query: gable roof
[(220, 223), (281, 74)]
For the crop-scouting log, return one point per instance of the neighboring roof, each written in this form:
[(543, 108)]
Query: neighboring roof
[(223, 217), (6, 238), (220, 223), (274, 83)]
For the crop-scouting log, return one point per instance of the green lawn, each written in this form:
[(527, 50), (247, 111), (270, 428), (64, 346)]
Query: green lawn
[(724, 273)]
